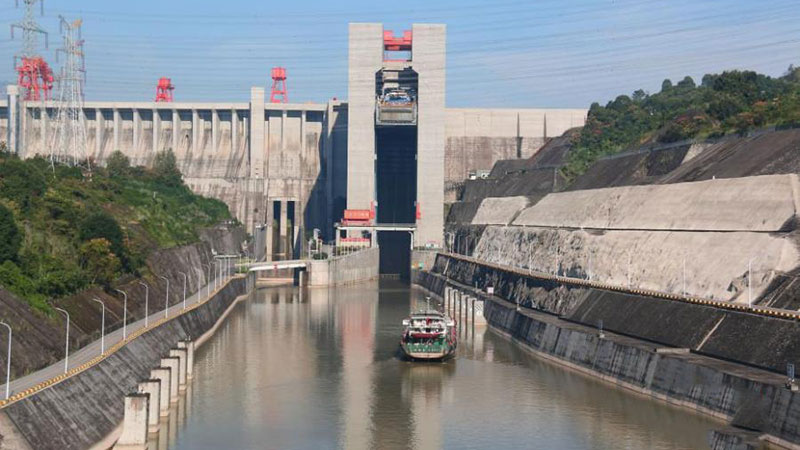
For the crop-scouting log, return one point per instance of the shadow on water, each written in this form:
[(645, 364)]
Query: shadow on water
[(318, 368)]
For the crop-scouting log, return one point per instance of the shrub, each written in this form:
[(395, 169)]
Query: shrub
[(10, 236), (21, 182), (118, 164), (165, 169), (101, 225), (98, 260)]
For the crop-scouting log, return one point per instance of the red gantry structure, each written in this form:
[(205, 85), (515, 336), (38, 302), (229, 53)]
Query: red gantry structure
[(164, 90), (279, 94), (35, 78)]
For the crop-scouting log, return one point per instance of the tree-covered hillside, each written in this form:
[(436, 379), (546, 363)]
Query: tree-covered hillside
[(62, 231), (731, 102)]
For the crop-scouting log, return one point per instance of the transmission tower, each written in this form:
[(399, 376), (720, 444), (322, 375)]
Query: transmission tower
[(69, 141), (33, 73)]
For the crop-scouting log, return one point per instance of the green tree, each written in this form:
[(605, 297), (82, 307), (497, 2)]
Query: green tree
[(666, 85), (10, 238), (101, 225), (165, 169), (118, 164), (21, 182), (98, 261)]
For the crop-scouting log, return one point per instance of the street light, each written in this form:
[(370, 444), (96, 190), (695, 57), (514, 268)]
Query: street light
[(124, 314), (8, 360), (146, 302), (184, 289), (102, 327), (66, 345), (166, 296)]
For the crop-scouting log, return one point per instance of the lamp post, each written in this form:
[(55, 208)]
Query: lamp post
[(166, 296), (66, 345), (8, 361), (102, 326), (146, 302), (184, 289), (124, 314)]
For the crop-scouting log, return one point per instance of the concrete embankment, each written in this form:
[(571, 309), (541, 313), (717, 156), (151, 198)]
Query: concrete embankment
[(86, 408), (748, 397), (353, 268)]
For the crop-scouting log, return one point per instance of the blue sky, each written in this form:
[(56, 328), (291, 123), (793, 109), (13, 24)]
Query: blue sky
[(503, 53)]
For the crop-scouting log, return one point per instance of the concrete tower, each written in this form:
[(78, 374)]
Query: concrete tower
[(396, 127)]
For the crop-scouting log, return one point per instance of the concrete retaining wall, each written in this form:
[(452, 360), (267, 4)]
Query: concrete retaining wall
[(760, 341), (83, 409), (499, 210), (352, 268), (749, 398), (716, 262), (765, 203)]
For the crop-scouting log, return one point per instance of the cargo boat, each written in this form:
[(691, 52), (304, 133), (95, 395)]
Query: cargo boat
[(429, 335)]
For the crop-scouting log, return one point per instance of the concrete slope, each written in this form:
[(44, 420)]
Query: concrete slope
[(499, 210), (716, 263), (764, 203)]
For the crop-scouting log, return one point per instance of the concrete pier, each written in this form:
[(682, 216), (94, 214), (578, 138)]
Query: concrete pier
[(181, 354), (153, 389), (164, 377), (173, 363), (189, 346), (134, 426)]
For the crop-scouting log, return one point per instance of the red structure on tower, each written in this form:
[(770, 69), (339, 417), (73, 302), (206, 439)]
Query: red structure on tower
[(279, 92), (35, 78), (164, 90)]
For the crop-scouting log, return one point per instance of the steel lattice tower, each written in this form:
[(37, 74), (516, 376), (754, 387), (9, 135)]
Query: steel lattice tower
[(34, 75), (69, 141)]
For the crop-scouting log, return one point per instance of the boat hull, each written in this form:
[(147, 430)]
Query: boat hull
[(444, 353)]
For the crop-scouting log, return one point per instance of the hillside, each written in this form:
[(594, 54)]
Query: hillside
[(63, 231), (733, 102)]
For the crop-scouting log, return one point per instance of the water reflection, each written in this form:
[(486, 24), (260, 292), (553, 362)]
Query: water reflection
[(319, 369)]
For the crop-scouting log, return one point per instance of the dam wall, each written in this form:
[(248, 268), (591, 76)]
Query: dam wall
[(726, 386), (258, 157), (83, 409)]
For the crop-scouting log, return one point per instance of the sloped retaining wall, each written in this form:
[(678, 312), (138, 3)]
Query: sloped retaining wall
[(83, 409), (747, 397)]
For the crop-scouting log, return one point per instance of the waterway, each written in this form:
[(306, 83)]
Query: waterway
[(319, 369)]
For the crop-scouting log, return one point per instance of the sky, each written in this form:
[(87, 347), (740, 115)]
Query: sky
[(500, 53)]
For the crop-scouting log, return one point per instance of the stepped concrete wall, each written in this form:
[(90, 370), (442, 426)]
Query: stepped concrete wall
[(716, 264), (499, 210), (85, 408), (763, 203)]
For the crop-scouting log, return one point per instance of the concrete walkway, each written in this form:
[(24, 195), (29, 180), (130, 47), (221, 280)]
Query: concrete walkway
[(92, 350)]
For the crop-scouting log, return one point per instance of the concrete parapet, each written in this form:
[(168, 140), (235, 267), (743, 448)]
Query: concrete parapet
[(173, 363), (153, 389), (182, 355), (164, 377), (499, 210), (134, 425), (352, 268), (189, 346)]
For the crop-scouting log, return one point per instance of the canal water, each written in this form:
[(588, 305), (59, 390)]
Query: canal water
[(319, 369)]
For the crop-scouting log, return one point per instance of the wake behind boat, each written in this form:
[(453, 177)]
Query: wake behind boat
[(429, 336)]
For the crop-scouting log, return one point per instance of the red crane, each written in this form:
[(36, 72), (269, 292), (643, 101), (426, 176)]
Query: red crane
[(279, 92), (164, 90)]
